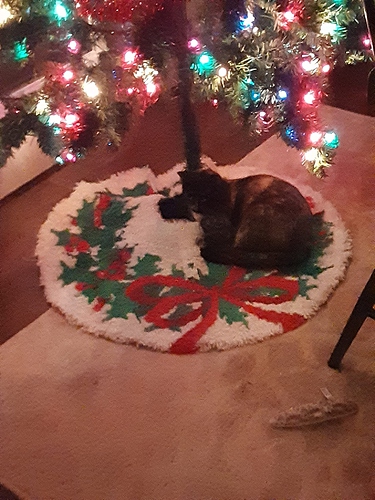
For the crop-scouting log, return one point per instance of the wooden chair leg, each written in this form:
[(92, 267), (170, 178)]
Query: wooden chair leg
[(347, 336), (361, 311)]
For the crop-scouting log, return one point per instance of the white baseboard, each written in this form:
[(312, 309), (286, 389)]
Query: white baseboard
[(27, 162)]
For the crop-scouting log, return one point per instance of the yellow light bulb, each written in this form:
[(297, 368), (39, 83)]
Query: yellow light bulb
[(41, 107), (5, 15), (311, 154), (90, 89)]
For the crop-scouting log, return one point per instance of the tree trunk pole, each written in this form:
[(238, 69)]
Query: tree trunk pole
[(232, 11), (189, 121)]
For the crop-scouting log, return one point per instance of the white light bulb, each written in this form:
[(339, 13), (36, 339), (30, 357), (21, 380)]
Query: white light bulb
[(315, 137), (71, 119), (54, 119), (151, 88), (222, 72), (328, 28)]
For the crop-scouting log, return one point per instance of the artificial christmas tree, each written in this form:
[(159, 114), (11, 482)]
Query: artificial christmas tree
[(268, 61)]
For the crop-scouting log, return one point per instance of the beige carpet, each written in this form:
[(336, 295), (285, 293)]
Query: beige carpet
[(86, 419)]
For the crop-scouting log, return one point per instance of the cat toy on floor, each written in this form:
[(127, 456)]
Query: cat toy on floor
[(314, 413)]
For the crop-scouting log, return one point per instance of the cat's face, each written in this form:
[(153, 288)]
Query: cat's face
[(200, 183), (205, 189)]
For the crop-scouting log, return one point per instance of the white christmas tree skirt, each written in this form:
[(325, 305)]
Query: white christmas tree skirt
[(113, 266)]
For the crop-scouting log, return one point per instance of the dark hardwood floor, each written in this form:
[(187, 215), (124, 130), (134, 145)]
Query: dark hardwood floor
[(7, 494)]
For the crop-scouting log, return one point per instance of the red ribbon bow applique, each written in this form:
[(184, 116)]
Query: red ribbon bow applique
[(241, 293)]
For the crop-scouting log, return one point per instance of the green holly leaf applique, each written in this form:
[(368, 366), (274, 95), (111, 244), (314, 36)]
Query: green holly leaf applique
[(105, 257), (63, 237), (92, 235), (304, 287), (264, 291), (146, 265), (177, 273), (179, 311), (110, 288), (138, 190), (106, 241), (85, 215), (72, 274), (85, 261), (90, 294), (114, 217), (121, 306), (150, 328), (217, 273), (322, 239), (231, 313), (165, 192), (254, 275)]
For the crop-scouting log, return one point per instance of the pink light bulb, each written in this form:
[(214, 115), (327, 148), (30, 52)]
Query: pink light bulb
[(326, 68), (366, 42), (151, 88), (129, 57), (74, 46), (194, 44), (306, 65), (289, 16), (310, 97), (71, 157)]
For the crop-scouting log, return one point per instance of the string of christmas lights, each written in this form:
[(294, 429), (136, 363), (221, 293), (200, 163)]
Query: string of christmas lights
[(273, 68), (89, 88), (269, 61)]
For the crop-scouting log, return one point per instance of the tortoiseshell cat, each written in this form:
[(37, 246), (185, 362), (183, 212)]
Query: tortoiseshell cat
[(259, 221)]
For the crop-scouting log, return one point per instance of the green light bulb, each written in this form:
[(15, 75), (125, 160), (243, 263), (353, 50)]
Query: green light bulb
[(20, 50), (205, 64), (61, 13), (331, 140)]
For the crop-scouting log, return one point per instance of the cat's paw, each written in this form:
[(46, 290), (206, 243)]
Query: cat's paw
[(176, 207)]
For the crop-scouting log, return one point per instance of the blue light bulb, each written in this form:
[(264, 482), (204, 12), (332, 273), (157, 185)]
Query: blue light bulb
[(282, 94)]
